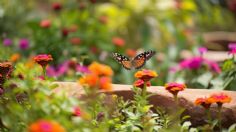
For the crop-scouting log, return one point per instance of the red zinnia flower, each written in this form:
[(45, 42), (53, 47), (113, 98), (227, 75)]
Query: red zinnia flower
[(75, 40), (145, 75), (56, 6), (174, 87), (140, 83), (43, 59)]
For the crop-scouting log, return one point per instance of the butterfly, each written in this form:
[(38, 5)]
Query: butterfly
[(136, 63)]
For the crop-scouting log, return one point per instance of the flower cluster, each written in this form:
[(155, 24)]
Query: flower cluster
[(66, 67), (219, 98), (196, 63), (144, 76), (45, 126), (98, 77)]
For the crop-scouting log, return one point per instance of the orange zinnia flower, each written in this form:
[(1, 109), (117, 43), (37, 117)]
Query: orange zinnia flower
[(45, 126), (100, 69), (130, 52), (5, 68), (89, 79), (94, 81), (99, 76), (118, 41), (105, 83), (205, 102), (15, 57), (140, 83), (145, 75), (174, 88), (43, 59), (220, 98)]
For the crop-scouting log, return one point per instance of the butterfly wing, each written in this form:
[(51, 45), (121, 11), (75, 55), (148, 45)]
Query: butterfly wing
[(123, 60), (140, 60)]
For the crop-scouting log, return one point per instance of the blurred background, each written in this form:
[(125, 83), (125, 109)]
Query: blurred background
[(78, 32)]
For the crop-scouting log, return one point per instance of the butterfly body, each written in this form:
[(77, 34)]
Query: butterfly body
[(135, 63)]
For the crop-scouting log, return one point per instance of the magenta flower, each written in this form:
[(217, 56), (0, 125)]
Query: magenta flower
[(202, 50), (232, 48), (24, 44), (7, 42), (213, 66), (196, 63), (82, 69), (173, 69), (193, 63), (57, 71)]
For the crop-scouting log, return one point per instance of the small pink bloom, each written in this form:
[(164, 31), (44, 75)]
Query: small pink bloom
[(7, 42), (232, 48), (77, 111), (45, 23), (213, 66), (202, 50), (82, 69)]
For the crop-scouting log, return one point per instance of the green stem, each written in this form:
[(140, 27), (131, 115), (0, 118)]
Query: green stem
[(219, 116), (44, 72), (144, 90), (208, 115), (176, 99)]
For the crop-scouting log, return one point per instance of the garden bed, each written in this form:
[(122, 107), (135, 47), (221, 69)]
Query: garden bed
[(164, 99)]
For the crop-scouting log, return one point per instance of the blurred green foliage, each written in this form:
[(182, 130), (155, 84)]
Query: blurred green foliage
[(166, 26)]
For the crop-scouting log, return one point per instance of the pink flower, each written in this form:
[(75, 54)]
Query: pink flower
[(214, 66), (202, 50), (7, 42), (82, 69), (56, 71), (232, 48), (174, 87), (77, 111), (45, 23), (193, 63), (24, 44)]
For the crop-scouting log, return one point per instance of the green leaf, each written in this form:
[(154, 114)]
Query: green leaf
[(232, 128)]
